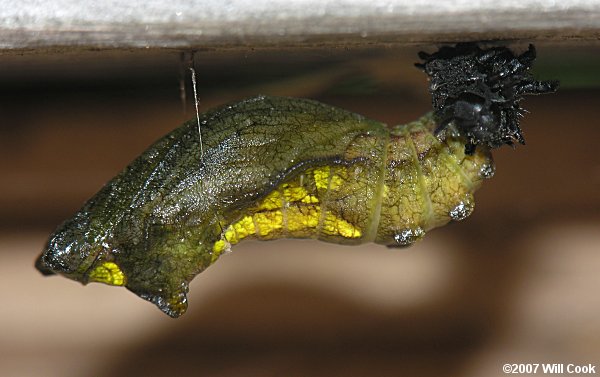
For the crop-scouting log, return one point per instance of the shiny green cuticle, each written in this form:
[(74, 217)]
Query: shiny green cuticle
[(271, 168)]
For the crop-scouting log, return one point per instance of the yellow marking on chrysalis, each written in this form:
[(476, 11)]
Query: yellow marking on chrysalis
[(107, 273), (218, 248), (272, 201), (232, 235), (267, 220), (289, 193), (298, 194), (305, 219), (243, 228), (239, 230), (322, 178), (339, 227), (336, 182)]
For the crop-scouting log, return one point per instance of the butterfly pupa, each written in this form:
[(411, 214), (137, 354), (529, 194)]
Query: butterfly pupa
[(275, 167)]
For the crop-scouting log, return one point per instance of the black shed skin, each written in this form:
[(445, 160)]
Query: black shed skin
[(479, 90)]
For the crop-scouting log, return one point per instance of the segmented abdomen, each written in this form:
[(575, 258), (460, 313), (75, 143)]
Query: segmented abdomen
[(388, 190)]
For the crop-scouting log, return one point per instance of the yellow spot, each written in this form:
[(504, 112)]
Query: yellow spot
[(336, 226), (268, 222), (107, 273), (302, 213), (243, 228), (321, 176), (272, 201), (336, 182), (310, 199), (219, 246), (297, 194), (323, 181), (306, 218), (233, 234)]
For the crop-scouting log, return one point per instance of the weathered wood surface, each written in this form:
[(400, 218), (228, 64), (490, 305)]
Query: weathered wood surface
[(214, 23)]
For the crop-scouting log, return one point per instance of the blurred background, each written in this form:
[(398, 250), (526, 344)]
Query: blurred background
[(515, 282)]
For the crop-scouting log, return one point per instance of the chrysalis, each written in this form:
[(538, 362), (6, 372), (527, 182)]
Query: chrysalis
[(283, 167)]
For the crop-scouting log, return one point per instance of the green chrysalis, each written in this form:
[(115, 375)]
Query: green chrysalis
[(272, 167)]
